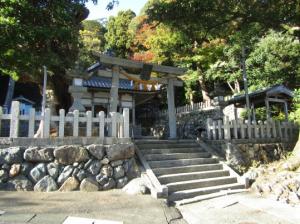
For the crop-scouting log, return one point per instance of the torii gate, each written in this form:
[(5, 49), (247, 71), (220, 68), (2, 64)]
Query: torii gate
[(168, 76)]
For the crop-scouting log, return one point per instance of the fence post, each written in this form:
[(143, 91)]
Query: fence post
[(249, 129), (208, 127), (14, 121), (220, 129), (261, 129), (126, 122), (61, 129), (268, 127), (214, 130), (279, 129), (101, 124), (273, 125), (31, 123), (113, 124), (89, 123), (1, 112), (47, 119), (256, 129), (235, 129), (242, 125), (227, 134), (75, 123), (285, 125)]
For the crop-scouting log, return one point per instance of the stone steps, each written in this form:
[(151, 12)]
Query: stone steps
[(171, 150), (185, 169), (200, 183), (168, 145), (181, 162), (173, 156), (177, 177), (180, 195)]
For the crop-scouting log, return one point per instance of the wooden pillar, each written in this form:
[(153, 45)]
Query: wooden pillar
[(171, 109), (114, 91), (286, 111)]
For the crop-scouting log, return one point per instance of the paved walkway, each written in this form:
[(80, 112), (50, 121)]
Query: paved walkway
[(54, 208), (243, 208), (115, 205)]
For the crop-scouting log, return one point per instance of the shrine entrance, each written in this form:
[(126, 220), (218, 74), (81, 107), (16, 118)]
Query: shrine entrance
[(113, 84)]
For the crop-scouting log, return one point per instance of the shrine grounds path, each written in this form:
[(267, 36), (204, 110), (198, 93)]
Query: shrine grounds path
[(53, 208), (116, 205)]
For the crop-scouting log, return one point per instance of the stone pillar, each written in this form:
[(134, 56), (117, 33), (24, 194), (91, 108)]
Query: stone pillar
[(114, 91), (171, 109), (77, 93), (133, 111)]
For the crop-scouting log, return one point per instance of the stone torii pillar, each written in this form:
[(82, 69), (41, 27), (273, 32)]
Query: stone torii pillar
[(114, 91), (171, 109)]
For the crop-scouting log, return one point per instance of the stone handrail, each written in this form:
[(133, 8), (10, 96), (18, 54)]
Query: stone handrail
[(118, 124), (241, 129)]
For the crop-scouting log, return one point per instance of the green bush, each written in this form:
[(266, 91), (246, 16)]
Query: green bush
[(295, 113)]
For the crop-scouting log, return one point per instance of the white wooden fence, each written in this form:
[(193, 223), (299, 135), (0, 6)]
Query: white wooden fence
[(241, 129), (116, 124)]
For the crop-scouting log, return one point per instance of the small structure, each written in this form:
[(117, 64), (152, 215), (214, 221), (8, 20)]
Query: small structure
[(114, 88), (260, 98), (25, 104)]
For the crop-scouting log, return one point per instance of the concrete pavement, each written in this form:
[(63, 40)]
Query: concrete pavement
[(54, 208), (242, 208)]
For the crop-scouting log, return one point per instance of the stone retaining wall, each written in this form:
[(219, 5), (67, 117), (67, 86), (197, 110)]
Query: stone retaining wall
[(67, 168), (242, 155)]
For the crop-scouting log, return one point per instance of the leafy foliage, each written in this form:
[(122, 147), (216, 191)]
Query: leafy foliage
[(91, 39), (36, 33), (295, 114), (119, 37), (214, 33), (275, 60)]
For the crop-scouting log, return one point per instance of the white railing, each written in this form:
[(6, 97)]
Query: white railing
[(241, 129), (116, 124), (188, 108)]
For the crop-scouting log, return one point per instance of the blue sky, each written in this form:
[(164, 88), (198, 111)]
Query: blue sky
[(99, 11)]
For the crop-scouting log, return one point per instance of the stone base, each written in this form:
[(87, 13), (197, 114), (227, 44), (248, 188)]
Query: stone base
[(67, 168)]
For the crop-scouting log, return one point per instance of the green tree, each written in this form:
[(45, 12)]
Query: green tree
[(91, 39), (203, 22), (119, 38), (275, 59), (37, 33)]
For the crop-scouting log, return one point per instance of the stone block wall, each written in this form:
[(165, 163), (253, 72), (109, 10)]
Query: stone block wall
[(188, 124), (67, 168), (242, 155)]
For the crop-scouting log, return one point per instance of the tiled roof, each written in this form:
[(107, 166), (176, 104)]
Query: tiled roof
[(105, 82)]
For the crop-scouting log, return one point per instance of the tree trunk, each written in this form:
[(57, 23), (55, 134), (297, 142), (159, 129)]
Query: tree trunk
[(60, 87), (9, 95), (204, 89), (237, 86)]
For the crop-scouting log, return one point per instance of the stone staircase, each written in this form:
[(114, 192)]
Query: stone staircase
[(185, 168)]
